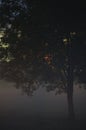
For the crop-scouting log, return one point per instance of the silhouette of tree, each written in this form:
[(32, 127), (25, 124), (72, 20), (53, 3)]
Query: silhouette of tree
[(49, 70), (58, 55)]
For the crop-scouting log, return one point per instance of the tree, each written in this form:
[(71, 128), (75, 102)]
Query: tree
[(39, 51), (49, 70)]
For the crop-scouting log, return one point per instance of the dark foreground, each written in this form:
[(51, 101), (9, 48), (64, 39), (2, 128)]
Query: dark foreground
[(42, 124)]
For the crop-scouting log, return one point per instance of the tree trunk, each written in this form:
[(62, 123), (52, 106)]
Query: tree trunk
[(70, 83)]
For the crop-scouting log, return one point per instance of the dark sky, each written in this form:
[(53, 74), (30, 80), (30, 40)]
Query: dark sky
[(63, 12)]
